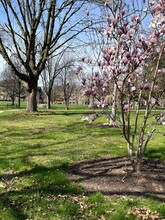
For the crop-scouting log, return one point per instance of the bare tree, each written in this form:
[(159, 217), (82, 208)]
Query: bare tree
[(67, 78), (51, 71), (31, 30), (12, 85)]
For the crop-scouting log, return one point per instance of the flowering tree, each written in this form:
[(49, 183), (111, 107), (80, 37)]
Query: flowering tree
[(125, 58), (124, 61), (97, 88), (159, 89)]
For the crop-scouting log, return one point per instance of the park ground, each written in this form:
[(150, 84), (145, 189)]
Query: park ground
[(55, 166)]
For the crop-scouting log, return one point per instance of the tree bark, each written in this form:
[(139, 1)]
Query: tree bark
[(114, 103), (48, 101), (139, 164), (12, 99), (67, 103), (19, 94), (32, 96)]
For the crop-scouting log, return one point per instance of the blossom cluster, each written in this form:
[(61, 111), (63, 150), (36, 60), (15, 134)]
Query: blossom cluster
[(158, 12), (96, 86), (128, 52)]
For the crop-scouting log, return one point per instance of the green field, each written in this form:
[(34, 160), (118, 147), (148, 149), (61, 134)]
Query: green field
[(35, 152)]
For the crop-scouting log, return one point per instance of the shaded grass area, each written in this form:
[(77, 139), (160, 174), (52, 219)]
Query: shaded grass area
[(35, 151)]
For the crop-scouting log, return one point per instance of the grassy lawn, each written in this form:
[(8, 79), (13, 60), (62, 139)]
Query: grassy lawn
[(35, 151)]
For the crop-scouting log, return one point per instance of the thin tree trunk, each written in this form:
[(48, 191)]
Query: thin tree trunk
[(19, 101), (32, 97), (67, 103), (114, 104), (19, 94), (12, 100), (139, 163)]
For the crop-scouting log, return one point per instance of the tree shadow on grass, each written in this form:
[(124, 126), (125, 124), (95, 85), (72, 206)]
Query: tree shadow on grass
[(155, 153), (45, 184), (55, 112), (15, 211), (114, 176)]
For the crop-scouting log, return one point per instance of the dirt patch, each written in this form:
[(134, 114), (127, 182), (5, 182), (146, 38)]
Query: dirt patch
[(114, 176)]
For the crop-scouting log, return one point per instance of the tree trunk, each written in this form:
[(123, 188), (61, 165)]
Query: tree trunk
[(48, 101), (32, 96), (91, 103), (131, 157), (114, 104), (19, 94), (67, 103), (19, 101), (139, 164), (12, 100)]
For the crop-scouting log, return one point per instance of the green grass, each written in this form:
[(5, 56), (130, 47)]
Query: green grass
[(35, 151), (5, 105)]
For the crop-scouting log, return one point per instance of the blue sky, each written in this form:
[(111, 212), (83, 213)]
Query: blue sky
[(2, 64)]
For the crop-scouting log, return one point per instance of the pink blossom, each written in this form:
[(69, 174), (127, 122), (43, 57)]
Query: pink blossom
[(162, 30), (140, 58), (133, 89), (138, 20), (96, 74), (99, 63), (128, 55), (99, 80), (105, 85), (100, 30), (133, 18), (159, 71), (146, 86), (108, 15), (153, 40), (142, 85), (163, 71), (87, 93), (152, 2), (83, 81), (108, 31), (123, 12), (89, 61), (126, 107), (137, 72), (120, 84), (104, 90), (107, 3), (118, 71), (131, 33), (124, 60)]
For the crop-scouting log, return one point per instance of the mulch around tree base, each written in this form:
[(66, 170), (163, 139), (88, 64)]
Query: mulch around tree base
[(114, 176)]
